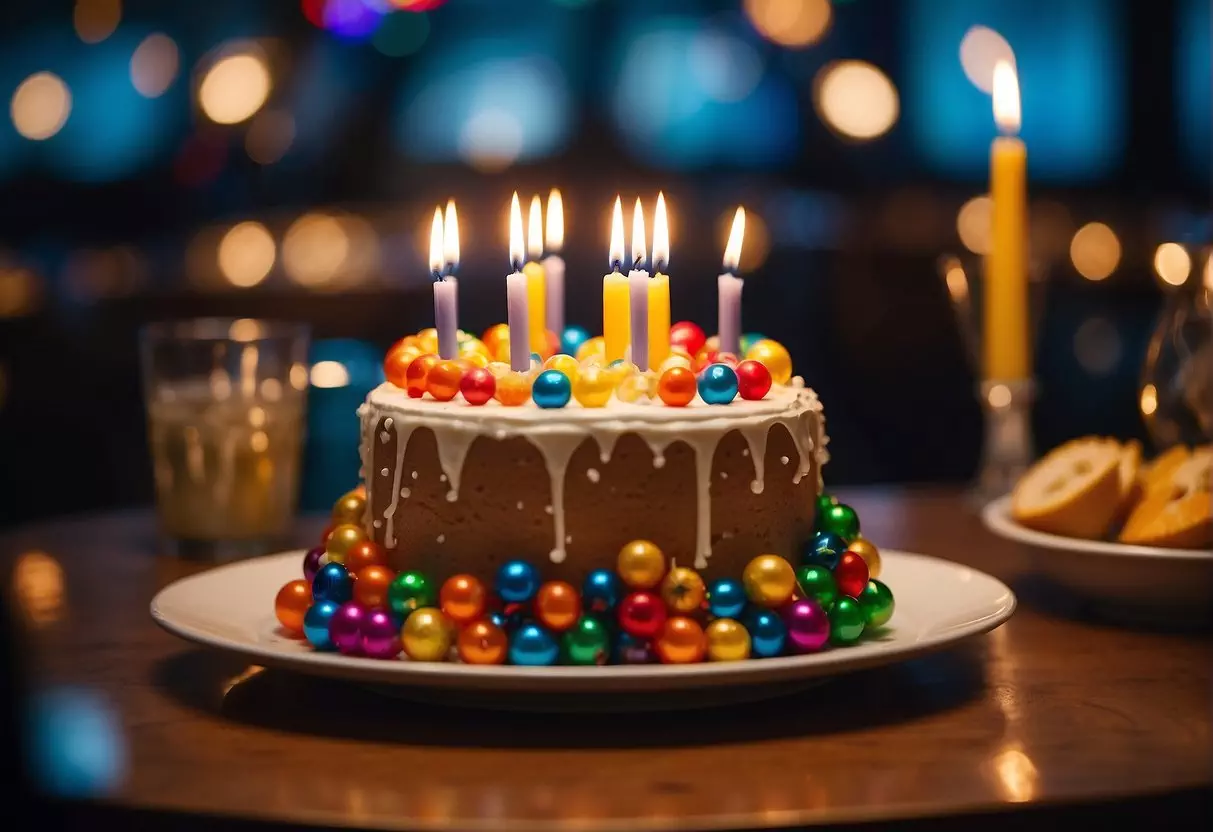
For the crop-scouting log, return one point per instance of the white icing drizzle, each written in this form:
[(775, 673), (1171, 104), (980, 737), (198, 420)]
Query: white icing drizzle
[(756, 448), (403, 434), (556, 457)]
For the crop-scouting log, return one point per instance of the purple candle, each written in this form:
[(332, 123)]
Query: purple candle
[(729, 286), (638, 292), (516, 295), (553, 264)]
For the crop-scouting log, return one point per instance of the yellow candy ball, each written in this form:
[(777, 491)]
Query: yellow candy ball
[(592, 387), (870, 554), (774, 356), (498, 369), (637, 387), (728, 641), (641, 565), (342, 539), (350, 508), (769, 580), (427, 635), (678, 349), (592, 346), (683, 590), (476, 359), (566, 364), (513, 389), (595, 360), (429, 340), (674, 360)]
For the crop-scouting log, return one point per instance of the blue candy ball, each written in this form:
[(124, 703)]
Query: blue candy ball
[(333, 583), (750, 339), (316, 623), (600, 592), (825, 549), (517, 582), (718, 384), (767, 633), (551, 389), (533, 646), (572, 338), (498, 620), (726, 598)]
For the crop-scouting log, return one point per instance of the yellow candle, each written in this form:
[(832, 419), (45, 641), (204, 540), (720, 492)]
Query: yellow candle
[(536, 280), (659, 289), (616, 327), (1006, 352)]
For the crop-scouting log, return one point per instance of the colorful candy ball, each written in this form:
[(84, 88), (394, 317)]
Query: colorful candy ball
[(462, 598), (363, 554), (681, 641), (380, 635), (478, 386), (572, 338), (683, 590), (496, 337), (428, 339), (513, 388), (333, 583), (718, 384), (767, 631), (311, 562), (673, 360), (409, 592), (418, 373), (595, 346), (316, 624), (426, 635), (877, 603), (775, 357), (345, 628), (851, 574), (808, 626), (642, 614), (840, 519), (726, 598), (350, 508), (824, 501), (371, 585), (564, 363), (551, 389), (769, 580), (687, 335), (817, 582), (637, 388), (600, 592), (825, 549), (533, 646), (397, 360), (677, 387), (291, 604), (588, 642), (753, 380), (592, 386), (442, 381), (847, 620), (632, 650), (870, 554), (748, 340), (728, 641), (341, 540), (641, 565), (483, 642), (517, 582), (557, 605)]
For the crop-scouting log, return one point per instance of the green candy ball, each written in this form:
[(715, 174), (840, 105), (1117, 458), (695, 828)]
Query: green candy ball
[(840, 519), (410, 591), (817, 582), (877, 602), (587, 643), (846, 621), (824, 503)]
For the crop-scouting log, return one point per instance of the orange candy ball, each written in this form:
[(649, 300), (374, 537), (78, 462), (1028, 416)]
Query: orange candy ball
[(681, 641), (442, 382), (677, 387), (371, 585), (513, 389), (363, 554), (557, 605), (396, 362), (496, 337), (415, 377), (482, 642), (291, 604), (462, 598)]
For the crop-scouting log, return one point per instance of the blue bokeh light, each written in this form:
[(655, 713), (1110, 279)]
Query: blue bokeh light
[(76, 744), (1194, 84)]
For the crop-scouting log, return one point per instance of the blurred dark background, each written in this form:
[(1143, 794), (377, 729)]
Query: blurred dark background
[(282, 159)]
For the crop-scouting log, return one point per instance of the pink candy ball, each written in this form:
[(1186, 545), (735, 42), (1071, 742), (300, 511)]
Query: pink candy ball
[(380, 635), (345, 629), (808, 626)]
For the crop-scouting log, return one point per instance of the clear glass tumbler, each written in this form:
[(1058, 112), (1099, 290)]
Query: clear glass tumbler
[(225, 407)]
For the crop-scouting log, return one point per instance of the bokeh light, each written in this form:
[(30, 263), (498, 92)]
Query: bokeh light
[(37, 582), (1148, 401), (352, 19), (980, 49), (314, 249), (726, 67), (791, 23), (96, 20), (246, 254), (20, 292), (401, 33), (1095, 251), (40, 106), (76, 744), (154, 65), (1172, 263), (235, 87), (1097, 346), (329, 374), (973, 224), (269, 136), (856, 99), (491, 139)]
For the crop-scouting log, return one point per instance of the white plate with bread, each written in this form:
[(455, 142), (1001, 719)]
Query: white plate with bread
[(1114, 528)]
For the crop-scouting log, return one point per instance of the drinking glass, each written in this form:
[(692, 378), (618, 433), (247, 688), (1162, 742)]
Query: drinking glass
[(225, 403)]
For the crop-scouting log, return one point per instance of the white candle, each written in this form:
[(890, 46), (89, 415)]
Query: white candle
[(516, 295), (553, 264), (446, 293), (729, 287), (638, 292)]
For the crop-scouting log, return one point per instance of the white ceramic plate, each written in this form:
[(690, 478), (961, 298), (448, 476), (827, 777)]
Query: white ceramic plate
[(1117, 573), (231, 608)]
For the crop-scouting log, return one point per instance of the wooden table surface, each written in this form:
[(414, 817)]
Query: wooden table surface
[(1049, 709)]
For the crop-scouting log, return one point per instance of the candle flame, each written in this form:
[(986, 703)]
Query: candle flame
[(555, 227), (450, 238), (436, 243), (516, 241), (639, 244), (534, 232), (732, 251), (661, 236), (1006, 98), (616, 254)]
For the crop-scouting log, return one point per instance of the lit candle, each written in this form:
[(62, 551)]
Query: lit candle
[(1006, 351), (446, 288), (638, 292), (516, 294), (729, 285), (535, 278), (553, 264), (615, 324), (659, 289)]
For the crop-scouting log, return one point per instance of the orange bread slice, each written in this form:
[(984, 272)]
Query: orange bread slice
[(1131, 487), (1157, 473), (1177, 512), (1074, 490)]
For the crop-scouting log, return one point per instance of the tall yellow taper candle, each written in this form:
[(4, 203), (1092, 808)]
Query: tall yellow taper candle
[(616, 328), (1006, 352), (536, 280), (659, 288)]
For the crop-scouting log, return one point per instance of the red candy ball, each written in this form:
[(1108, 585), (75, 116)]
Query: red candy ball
[(642, 614), (688, 336), (851, 574), (415, 376), (478, 385), (753, 380)]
